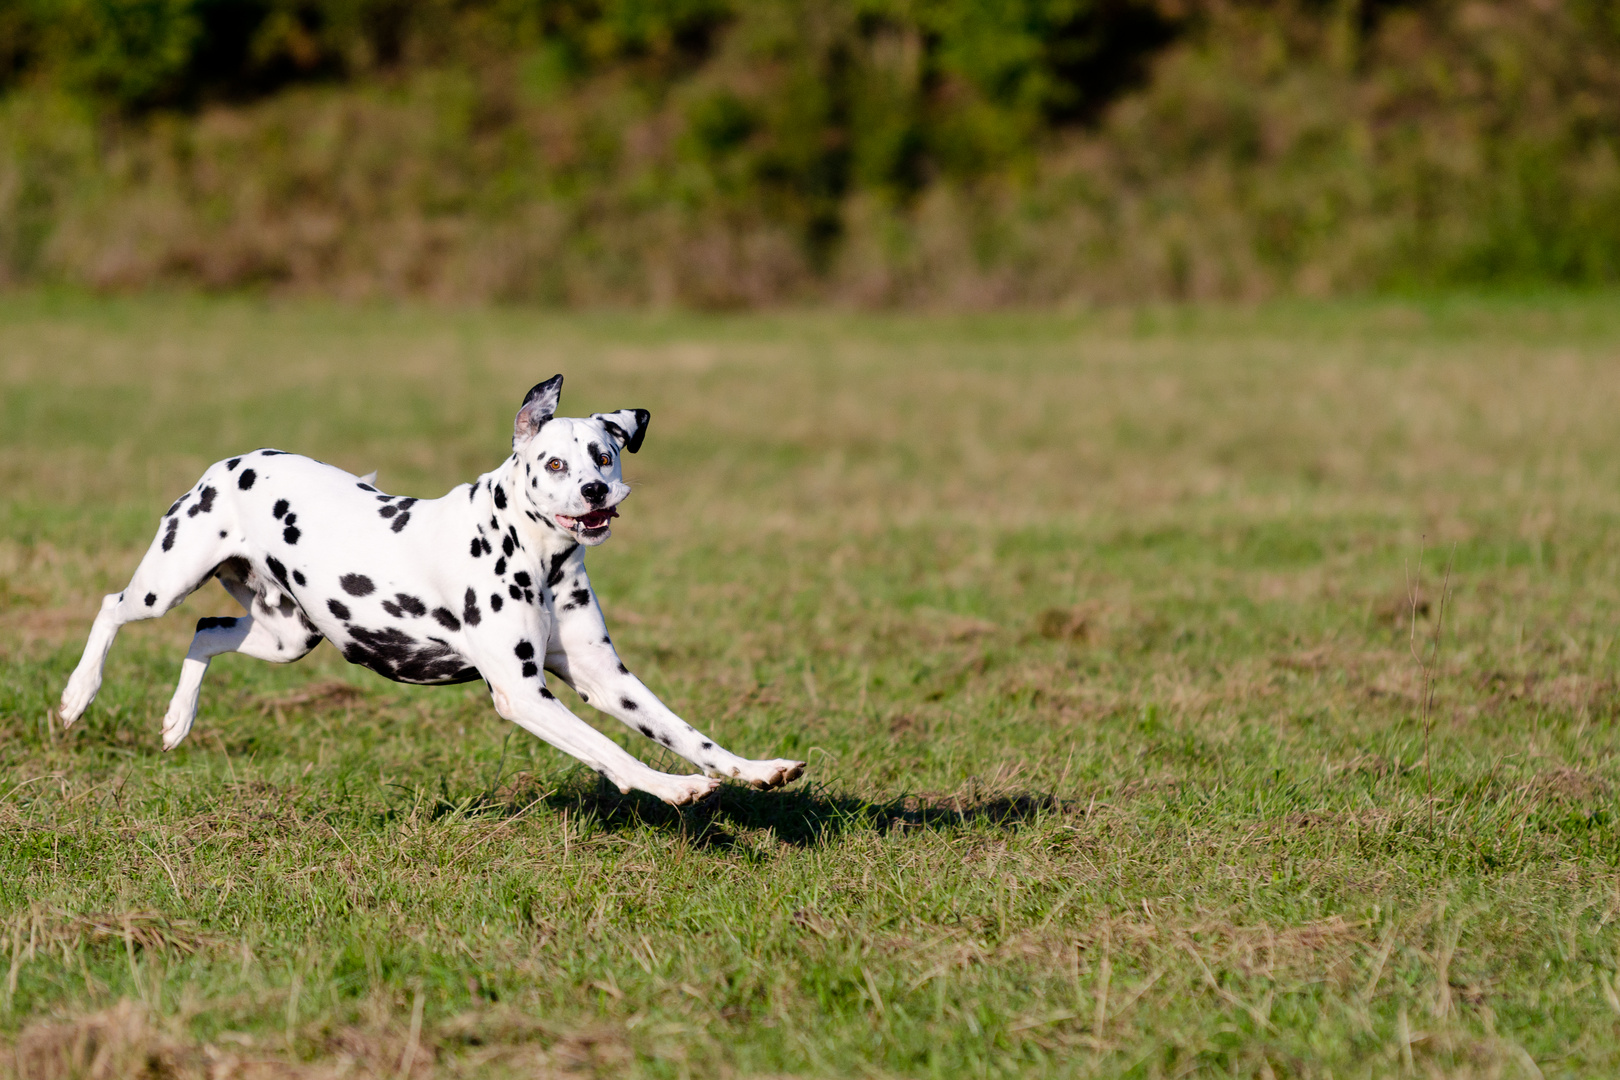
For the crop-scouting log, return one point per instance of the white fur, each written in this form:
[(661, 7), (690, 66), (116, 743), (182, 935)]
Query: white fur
[(311, 551)]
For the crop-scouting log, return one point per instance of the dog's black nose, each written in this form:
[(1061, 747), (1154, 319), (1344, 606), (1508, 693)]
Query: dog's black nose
[(594, 492)]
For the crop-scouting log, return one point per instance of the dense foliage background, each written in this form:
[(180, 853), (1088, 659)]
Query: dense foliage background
[(719, 153)]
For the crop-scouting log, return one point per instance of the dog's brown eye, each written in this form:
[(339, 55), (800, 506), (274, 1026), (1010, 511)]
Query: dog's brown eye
[(604, 461), (555, 465)]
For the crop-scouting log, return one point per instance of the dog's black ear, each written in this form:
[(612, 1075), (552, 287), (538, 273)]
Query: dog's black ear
[(538, 407), (627, 426)]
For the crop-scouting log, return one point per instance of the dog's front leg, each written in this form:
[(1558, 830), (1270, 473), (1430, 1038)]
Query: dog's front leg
[(582, 655), (528, 704)]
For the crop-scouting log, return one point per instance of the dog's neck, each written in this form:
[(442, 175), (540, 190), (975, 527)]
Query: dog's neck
[(540, 541)]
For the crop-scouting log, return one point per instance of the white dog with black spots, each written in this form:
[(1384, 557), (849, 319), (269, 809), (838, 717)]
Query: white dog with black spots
[(487, 582)]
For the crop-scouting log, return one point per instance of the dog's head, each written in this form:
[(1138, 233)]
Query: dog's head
[(570, 466)]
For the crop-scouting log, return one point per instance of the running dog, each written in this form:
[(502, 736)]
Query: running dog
[(487, 582)]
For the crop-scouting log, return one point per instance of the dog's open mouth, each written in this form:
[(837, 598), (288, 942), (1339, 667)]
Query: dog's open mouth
[(594, 521)]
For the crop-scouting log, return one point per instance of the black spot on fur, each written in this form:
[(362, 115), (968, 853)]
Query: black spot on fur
[(395, 654), (411, 604), (529, 670), (581, 597), (388, 511), (393, 609), (708, 746), (357, 585), (279, 510), (514, 592), (469, 609), (365, 487), (622, 669), (298, 576), (645, 730), (477, 548), (245, 481), (628, 704), (205, 502), (524, 651), (338, 609), (215, 623), (583, 696), (446, 618), (222, 534), (230, 466), (168, 537), (500, 497), (528, 597), (500, 566), (290, 534), (311, 641), (151, 599), (271, 453), (175, 507), (277, 569), (495, 602), (472, 492), (292, 519), (547, 694), (507, 545), (522, 579), (487, 549), (556, 575), (401, 521)]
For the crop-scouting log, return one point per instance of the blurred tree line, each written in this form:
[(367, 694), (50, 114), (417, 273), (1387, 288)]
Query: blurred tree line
[(716, 152)]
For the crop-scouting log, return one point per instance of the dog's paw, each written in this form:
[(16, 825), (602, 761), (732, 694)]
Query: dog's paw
[(77, 698), (769, 774), (176, 725), (685, 790)]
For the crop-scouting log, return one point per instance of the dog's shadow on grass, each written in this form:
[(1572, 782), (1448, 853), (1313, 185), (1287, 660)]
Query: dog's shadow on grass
[(801, 816)]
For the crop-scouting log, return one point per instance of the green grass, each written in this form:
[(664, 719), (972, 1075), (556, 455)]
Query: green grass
[(1093, 629)]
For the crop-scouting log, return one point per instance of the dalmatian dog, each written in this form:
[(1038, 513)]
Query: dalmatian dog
[(487, 582)]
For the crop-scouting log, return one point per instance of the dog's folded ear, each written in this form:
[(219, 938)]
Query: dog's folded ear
[(538, 407), (627, 426)]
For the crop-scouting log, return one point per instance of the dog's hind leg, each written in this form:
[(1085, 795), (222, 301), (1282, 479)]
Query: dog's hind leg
[(179, 560), (278, 634)]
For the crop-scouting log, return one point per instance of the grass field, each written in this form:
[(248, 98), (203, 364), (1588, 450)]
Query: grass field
[(1095, 630)]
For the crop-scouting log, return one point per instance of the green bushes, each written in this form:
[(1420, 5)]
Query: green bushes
[(942, 152)]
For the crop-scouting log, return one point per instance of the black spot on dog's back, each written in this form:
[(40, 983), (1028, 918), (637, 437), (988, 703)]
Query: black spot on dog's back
[(339, 609), (500, 497), (523, 651), (522, 579), (411, 604), (495, 602), (581, 597), (245, 481), (628, 704), (151, 599), (205, 502), (357, 585), (168, 537), (279, 510), (290, 535), (469, 609), (230, 466), (298, 576), (446, 618)]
